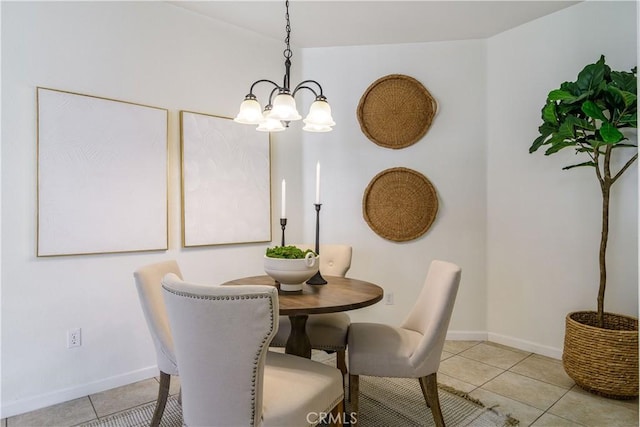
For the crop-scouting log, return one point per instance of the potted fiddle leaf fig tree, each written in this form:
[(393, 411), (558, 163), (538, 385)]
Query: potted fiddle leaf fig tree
[(593, 115)]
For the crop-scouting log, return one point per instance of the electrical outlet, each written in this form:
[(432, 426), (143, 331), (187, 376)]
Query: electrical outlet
[(388, 298), (74, 337)]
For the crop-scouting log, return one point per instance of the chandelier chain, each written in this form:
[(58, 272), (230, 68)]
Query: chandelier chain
[(287, 52)]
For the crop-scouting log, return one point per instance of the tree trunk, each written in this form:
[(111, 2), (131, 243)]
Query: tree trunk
[(606, 190), (605, 185)]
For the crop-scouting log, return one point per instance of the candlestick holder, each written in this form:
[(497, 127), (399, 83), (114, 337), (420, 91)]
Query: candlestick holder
[(317, 279), (283, 225)]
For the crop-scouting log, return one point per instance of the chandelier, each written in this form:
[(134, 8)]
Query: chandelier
[(277, 114)]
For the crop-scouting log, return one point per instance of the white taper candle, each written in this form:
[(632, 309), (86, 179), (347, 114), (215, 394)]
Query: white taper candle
[(284, 199), (318, 183)]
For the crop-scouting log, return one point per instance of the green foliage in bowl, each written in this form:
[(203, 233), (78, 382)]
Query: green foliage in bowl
[(287, 252)]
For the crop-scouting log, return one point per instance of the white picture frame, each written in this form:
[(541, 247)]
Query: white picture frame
[(102, 175), (226, 181)]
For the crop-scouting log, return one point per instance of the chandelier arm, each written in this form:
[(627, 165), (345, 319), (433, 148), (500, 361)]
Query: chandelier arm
[(251, 95), (302, 85), (277, 88)]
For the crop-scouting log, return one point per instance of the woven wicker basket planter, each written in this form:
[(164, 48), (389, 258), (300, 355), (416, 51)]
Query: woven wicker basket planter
[(603, 361)]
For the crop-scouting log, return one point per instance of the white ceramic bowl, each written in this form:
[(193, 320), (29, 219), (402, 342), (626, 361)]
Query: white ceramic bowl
[(291, 273)]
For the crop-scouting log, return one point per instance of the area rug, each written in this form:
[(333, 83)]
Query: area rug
[(384, 402)]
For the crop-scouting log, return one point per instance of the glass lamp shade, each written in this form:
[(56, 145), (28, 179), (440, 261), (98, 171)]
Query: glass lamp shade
[(284, 108), (309, 127), (250, 113), (270, 125), (319, 114)]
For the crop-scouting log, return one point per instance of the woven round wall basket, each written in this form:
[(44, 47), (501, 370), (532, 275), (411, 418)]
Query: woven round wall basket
[(400, 204), (396, 111), (603, 361)]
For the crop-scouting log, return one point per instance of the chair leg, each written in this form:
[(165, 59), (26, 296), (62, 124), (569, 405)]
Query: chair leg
[(424, 392), (336, 414), (163, 393), (341, 362), (354, 391), (429, 385)]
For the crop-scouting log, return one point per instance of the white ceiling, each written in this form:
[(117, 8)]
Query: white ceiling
[(352, 23)]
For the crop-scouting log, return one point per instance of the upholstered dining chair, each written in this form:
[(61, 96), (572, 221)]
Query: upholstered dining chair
[(228, 376), (326, 331), (148, 281), (412, 350)]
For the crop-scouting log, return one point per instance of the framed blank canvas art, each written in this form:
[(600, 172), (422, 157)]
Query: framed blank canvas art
[(226, 190), (102, 175)]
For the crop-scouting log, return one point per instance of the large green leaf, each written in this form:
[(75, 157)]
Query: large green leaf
[(537, 143), (585, 150), (610, 134), (579, 165), (560, 95), (592, 110), (624, 81), (613, 101), (564, 109), (565, 131), (591, 76), (570, 87), (622, 145), (557, 147), (580, 122), (549, 113), (630, 120), (547, 128), (580, 97), (628, 98)]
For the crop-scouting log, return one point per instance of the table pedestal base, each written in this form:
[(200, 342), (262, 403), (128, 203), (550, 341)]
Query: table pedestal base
[(298, 342)]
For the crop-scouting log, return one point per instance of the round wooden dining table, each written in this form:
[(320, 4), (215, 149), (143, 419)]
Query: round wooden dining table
[(338, 294)]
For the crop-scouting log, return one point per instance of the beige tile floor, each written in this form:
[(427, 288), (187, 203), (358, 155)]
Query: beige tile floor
[(532, 388)]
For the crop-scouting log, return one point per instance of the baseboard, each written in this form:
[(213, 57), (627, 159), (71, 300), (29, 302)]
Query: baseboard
[(467, 335), (554, 353), (10, 409)]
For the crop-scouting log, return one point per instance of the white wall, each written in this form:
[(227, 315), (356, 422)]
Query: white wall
[(452, 155), (146, 52), (543, 222)]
